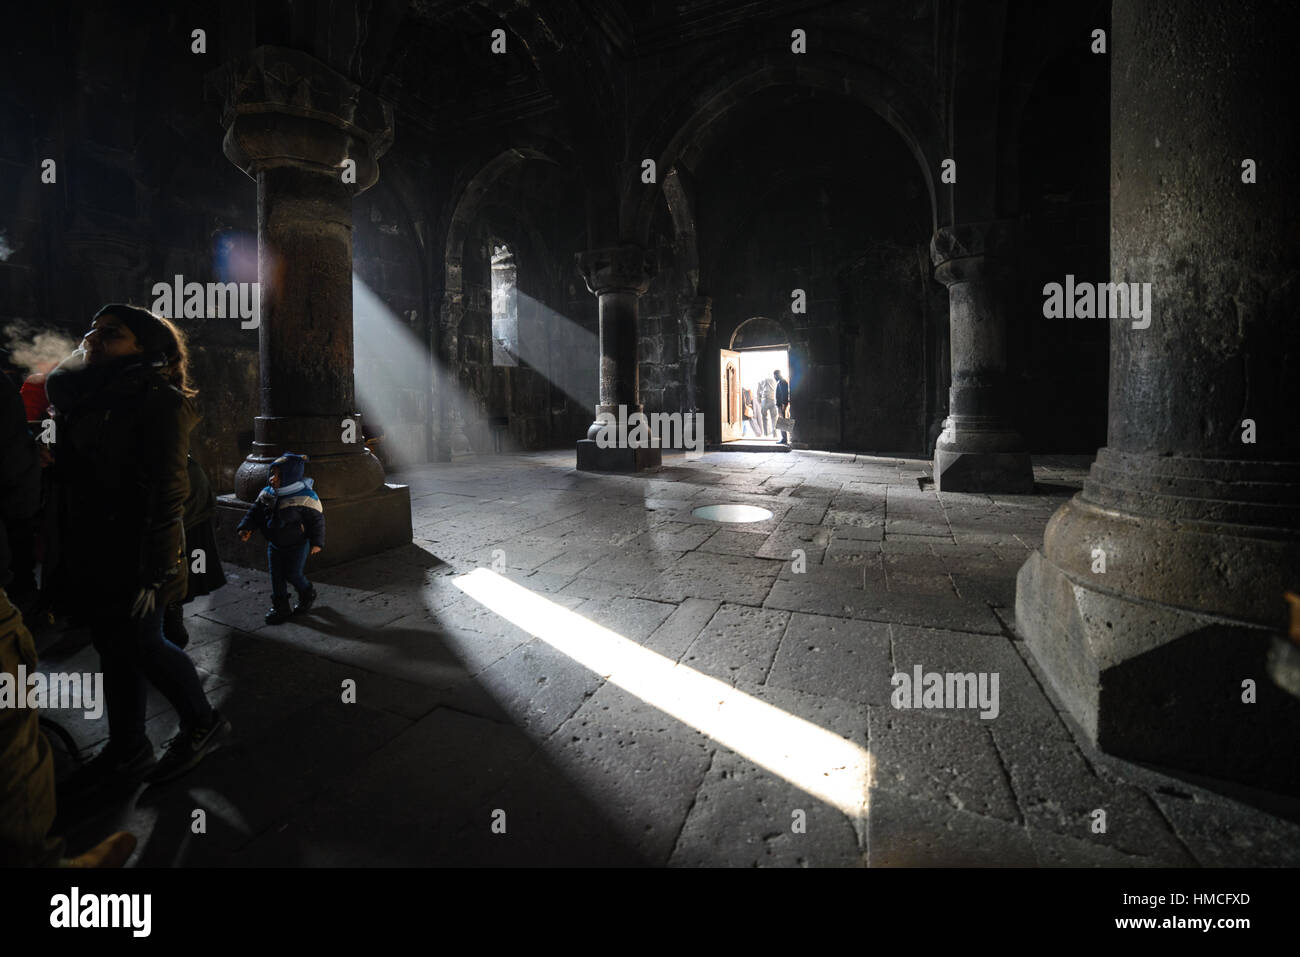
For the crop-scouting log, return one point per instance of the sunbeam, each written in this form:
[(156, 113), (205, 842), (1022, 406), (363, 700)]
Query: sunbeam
[(817, 761)]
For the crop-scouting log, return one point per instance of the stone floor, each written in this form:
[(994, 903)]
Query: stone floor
[(588, 749)]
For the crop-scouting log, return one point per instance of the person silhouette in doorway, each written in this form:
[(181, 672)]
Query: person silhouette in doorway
[(782, 406)]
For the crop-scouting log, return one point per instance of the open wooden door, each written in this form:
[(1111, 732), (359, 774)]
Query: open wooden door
[(729, 391)]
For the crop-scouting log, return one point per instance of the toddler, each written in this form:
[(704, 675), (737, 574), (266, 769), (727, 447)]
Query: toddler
[(289, 513)]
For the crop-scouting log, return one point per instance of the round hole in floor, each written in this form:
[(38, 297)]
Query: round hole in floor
[(732, 513)]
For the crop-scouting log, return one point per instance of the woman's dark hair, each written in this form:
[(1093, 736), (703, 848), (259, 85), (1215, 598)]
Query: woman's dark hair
[(157, 336)]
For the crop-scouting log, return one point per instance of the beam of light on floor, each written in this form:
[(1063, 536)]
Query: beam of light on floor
[(813, 759)]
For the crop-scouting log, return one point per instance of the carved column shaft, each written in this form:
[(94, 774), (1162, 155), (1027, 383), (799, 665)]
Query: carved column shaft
[(1159, 586), (311, 139), (979, 449), (617, 275), (304, 228)]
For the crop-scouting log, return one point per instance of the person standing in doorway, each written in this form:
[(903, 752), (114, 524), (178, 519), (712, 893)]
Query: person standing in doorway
[(782, 406), (767, 406), (752, 413)]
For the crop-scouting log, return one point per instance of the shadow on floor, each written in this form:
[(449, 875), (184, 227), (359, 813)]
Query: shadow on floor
[(411, 772)]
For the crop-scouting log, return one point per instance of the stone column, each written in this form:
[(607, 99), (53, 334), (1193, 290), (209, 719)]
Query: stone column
[(617, 275), (1151, 604), (311, 139), (978, 450)]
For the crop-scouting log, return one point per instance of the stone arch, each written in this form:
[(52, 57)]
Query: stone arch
[(464, 212), (680, 201), (772, 332), (780, 332), (682, 119), (470, 201)]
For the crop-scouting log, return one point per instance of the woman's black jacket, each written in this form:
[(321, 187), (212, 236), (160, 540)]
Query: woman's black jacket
[(122, 433)]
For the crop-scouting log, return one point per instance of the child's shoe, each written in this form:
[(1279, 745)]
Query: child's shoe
[(305, 601), (279, 612)]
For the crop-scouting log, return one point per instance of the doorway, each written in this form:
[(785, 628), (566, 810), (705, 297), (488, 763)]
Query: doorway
[(747, 390)]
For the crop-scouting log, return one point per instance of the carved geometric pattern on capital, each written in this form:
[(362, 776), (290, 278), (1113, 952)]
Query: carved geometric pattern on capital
[(283, 106), (625, 268), (990, 242), (281, 80)]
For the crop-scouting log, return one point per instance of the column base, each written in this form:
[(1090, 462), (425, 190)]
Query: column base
[(354, 528), (592, 458), (339, 470), (956, 471), (1154, 683)]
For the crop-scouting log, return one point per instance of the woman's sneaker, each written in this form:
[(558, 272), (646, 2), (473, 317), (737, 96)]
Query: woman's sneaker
[(189, 748)]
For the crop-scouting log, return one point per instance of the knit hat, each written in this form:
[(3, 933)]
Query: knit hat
[(291, 467)]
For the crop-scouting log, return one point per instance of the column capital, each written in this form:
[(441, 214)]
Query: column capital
[(968, 252), (623, 268), (283, 107)]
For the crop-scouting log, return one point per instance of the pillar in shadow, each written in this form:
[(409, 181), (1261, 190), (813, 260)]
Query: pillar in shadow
[(979, 450), (1152, 602), (617, 276)]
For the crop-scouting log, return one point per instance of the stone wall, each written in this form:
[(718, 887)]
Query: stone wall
[(795, 198), (1060, 365), (547, 397), (141, 193), (791, 186)]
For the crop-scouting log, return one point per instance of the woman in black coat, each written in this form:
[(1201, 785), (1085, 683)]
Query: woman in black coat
[(122, 431)]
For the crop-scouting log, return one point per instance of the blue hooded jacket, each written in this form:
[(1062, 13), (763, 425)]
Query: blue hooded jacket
[(291, 514)]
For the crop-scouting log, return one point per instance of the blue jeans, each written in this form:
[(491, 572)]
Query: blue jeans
[(286, 563), (131, 652)]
